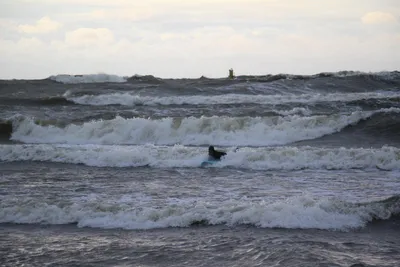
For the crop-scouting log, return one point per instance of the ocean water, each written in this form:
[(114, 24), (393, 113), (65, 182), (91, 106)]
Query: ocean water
[(102, 170)]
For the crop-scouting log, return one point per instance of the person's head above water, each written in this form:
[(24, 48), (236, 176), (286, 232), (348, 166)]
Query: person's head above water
[(215, 154)]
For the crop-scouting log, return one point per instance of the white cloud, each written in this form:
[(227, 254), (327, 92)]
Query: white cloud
[(6, 24), (130, 14), (23, 45), (43, 25), (84, 37), (182, 38), (378, 18)]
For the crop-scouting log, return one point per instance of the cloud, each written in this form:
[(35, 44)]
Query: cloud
[(180, 38), (22, 45), (128, 14), (378, 18), (84, 37), (43, 25)]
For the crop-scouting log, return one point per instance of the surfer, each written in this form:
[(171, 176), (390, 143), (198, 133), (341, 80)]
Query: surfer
[(215, 154)]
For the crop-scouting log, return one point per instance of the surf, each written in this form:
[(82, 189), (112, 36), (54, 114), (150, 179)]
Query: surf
[(133, 99), (299, 212), (286, 158), (216, 130)]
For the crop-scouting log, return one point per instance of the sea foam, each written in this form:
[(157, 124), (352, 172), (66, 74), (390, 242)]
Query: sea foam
[(89, 78), (131, 99), (274, 158), (225, 131), (302, 212)]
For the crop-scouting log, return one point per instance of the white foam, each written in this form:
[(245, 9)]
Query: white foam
[(278, 158), (226, 131), (296, 212), (388, 75), (89, 78), (302, 111), (129, 99)]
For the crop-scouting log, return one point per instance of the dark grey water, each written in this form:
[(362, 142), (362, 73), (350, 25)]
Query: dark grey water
[(196, 246), (109, 174)]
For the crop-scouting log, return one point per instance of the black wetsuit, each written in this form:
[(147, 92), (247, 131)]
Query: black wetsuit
[(215, 154)]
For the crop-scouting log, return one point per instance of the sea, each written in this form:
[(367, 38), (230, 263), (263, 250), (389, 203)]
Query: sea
[(105, 170)]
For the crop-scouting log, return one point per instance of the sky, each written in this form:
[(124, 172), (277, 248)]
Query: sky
[(193, 38)]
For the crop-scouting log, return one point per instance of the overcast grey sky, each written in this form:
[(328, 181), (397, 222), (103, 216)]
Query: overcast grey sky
[(190, 38)]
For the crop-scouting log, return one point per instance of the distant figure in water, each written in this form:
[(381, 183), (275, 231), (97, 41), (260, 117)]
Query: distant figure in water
[(215, 154)]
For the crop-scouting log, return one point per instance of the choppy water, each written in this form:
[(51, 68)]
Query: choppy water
[(104, 170)]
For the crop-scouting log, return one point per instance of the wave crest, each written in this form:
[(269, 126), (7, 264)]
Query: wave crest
[(129, 99), (89, 78), (226, 131), (304, 212), (279, 158)]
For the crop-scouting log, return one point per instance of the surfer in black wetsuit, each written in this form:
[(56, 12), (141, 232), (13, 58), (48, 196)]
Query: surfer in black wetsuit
[(215, 154)]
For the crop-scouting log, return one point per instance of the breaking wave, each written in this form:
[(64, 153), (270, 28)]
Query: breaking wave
[(342, 77), (277, 158), (387, 76), (129, 99), (89, 78), (225, 131), (304, 212), (380, 76)]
